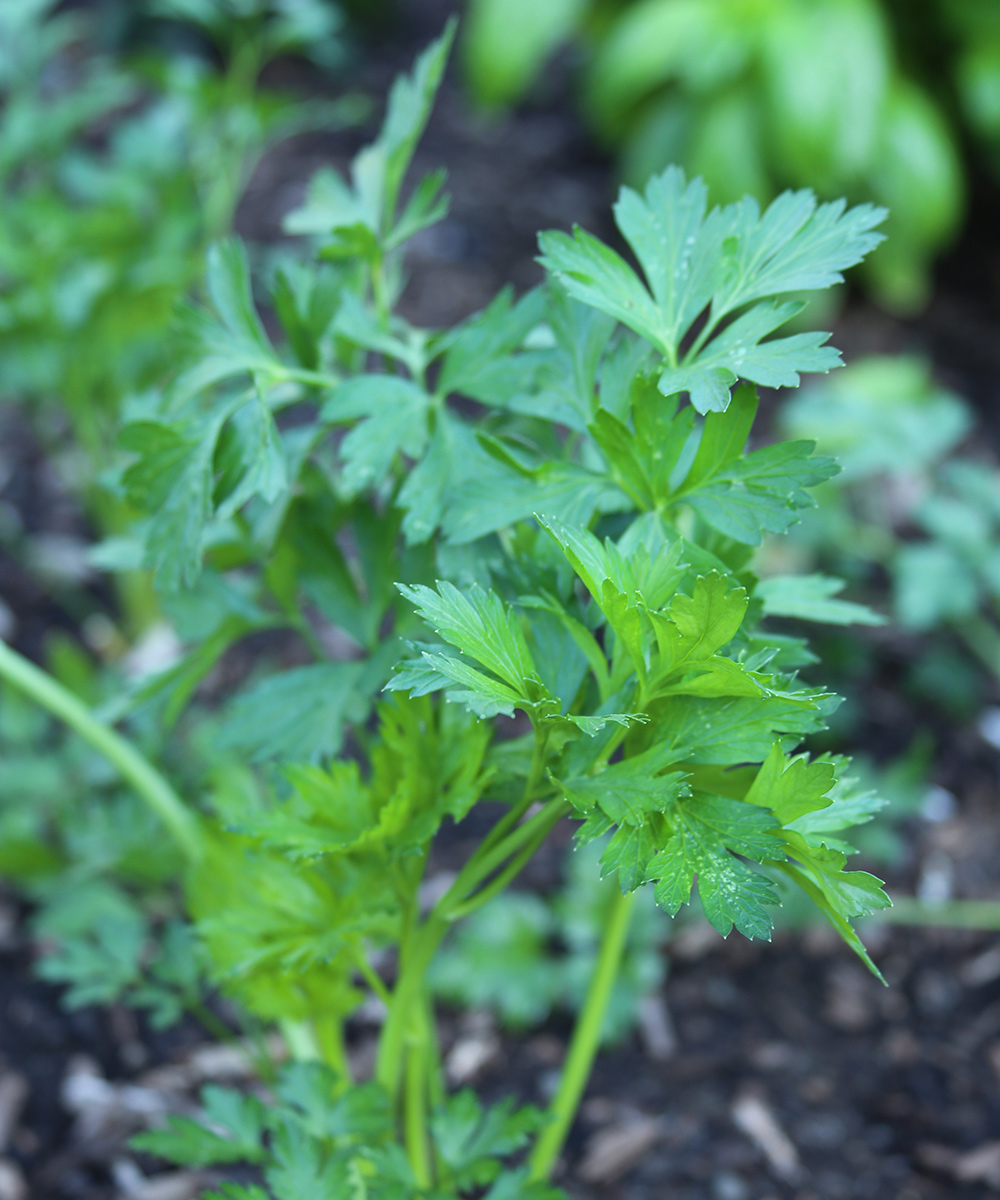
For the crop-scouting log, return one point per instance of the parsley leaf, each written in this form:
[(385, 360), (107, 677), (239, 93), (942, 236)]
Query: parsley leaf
[(238, 1119), (706, 832), (720, 261)]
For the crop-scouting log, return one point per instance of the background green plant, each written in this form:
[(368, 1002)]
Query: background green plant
[(867, 98), (117, 170), (913, 519)]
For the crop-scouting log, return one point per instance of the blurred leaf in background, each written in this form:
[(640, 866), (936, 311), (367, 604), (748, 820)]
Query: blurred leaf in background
[(845, 96)]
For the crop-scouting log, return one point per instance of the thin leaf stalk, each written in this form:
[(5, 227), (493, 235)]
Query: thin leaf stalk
[(585, 1042), (507, 822), (134, 768), (421, 943)]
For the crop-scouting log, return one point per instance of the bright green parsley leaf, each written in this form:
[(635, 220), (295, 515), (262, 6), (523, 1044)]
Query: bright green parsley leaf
[(328, 812), (695, 627), (706, 832), (722, 261), (479, 624), (480, 693), (597, 563), (745, 495), (741, 495), (628, 791), (790, 788), (850, 804), (800, 793)]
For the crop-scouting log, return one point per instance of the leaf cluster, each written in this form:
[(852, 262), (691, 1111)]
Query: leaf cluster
[(314, 1140), (913, 499)]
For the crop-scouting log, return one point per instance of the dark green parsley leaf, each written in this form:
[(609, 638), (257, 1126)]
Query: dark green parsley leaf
[(479, 359), (172, 479), (471, 1140), (495, 496), (100, 963), (230, 342), (314, 1092), (706, 832), (297, 715), (741, 729), (628, 791), (239, 1120), (301, 1169), (394, 412)]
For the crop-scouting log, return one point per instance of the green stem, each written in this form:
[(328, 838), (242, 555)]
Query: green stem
[(405, 997), (420, 945), (486, 860), (211, 1023), (372, 978), (507, 822), (509, 873), (585, 1043), (415, 1103), (380, 294), (983, 638), (330, 1040), (300, 1037), (435, 1067), (303, 375), (133, 767), (948, 914)]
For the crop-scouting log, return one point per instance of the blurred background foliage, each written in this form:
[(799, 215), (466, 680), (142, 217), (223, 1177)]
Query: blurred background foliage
[(128, 133), (880, 100)]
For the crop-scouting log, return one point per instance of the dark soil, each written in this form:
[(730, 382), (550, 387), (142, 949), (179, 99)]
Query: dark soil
[(789, 1073)]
